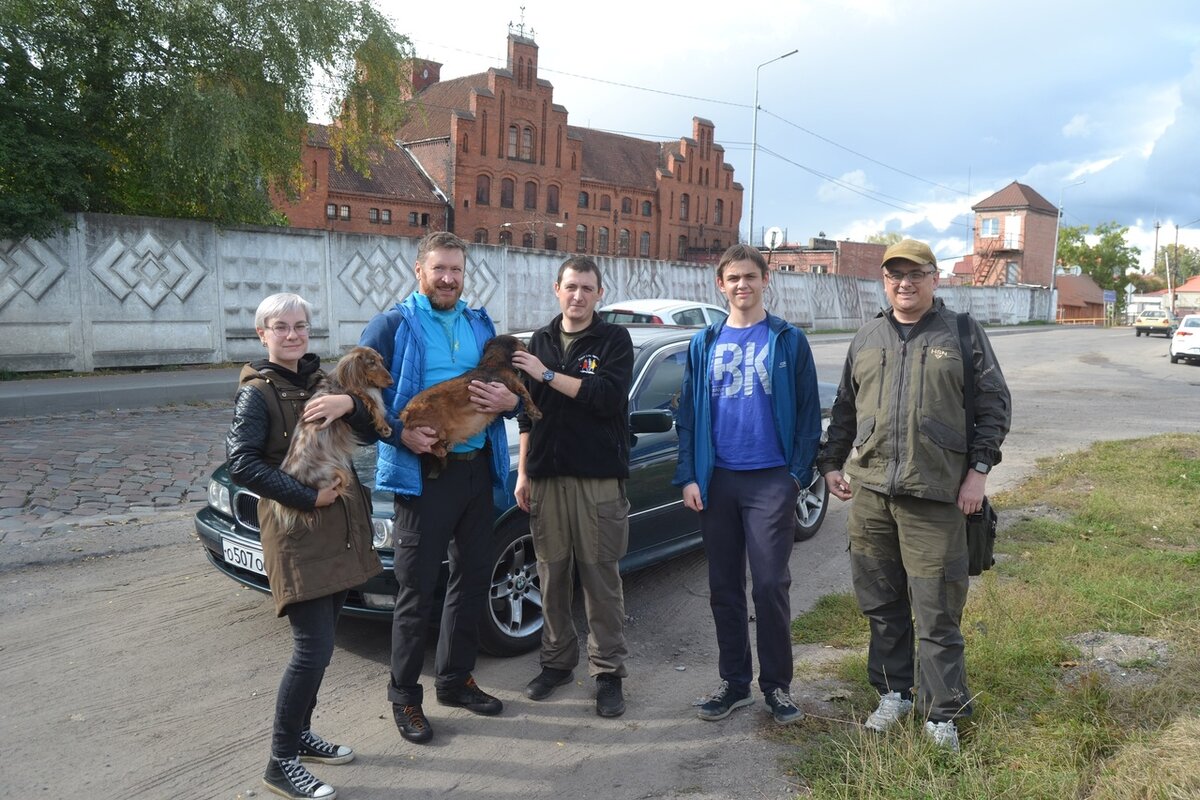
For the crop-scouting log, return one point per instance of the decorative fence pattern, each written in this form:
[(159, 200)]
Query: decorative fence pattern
[(137, 291)]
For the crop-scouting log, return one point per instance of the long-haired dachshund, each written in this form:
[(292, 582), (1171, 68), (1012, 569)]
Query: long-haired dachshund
[(321, 455), (447, 407)]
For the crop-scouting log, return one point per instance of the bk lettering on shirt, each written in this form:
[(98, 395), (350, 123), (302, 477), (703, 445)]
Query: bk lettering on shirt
[(737, 372)]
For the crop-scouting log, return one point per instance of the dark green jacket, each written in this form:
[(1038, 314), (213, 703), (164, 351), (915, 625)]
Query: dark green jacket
[(900, 408)]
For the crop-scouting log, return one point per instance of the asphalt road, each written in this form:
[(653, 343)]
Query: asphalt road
[(133, 669)]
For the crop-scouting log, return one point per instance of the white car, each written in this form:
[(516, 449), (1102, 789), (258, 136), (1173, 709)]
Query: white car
[(687, 313), (1185, 343)]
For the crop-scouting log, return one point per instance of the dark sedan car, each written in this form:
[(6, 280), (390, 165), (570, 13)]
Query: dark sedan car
[(659, 526)]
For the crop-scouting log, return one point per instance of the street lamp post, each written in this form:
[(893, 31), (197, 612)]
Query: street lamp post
[(754, 137), (1054, 256), (1170, 291)]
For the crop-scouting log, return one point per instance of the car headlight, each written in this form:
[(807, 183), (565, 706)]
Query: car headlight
[(381, 533), (218, 497)]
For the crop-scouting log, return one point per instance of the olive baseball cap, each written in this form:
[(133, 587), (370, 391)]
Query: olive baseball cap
[(909, 250)]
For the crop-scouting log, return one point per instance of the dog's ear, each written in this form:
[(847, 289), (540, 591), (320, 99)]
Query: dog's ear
[(351, 367)]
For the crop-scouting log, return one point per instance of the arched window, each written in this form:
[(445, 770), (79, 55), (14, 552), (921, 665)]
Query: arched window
[(464, 143), (602, 240), (483, 190), (481, 236), (531, 195), (551, 241), (520, 73), (719, 213), (527, 144), (682, 249), (527, 239), (583, 199), (626, 205), (623, 242), (507, 189), (506, 238), (551, 199), (512, 141), (581, 238), (646, 208), (644, 245), (683, 207), (605, 203)]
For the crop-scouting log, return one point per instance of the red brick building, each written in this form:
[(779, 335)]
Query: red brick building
[(1014, 238), (827, 256), (512, 170)]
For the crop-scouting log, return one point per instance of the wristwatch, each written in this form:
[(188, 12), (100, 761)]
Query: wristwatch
[(547, 376), (981, 468)]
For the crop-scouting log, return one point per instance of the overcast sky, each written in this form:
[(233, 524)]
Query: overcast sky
[(893, 115)]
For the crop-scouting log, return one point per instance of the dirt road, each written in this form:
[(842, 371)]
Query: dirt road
[(146, 674)]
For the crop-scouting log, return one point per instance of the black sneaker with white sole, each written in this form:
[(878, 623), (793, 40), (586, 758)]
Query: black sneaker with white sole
[(314, 748), (782, 708), (721, 703), (287, 777)]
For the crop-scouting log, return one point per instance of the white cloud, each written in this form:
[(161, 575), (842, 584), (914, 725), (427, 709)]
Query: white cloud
[(1079, 126), (829, 192)]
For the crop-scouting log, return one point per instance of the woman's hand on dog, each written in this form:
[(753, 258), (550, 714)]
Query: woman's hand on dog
[(327, 496), (492, 398), (328, 408), (419, 439)]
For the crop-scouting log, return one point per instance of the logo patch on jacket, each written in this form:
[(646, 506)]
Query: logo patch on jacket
[(588, 364), (939, 352)]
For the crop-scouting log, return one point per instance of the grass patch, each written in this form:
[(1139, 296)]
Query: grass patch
[(1104, 540)]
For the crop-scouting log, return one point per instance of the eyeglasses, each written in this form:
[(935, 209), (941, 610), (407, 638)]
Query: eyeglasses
[(916, 276), (281, 329)]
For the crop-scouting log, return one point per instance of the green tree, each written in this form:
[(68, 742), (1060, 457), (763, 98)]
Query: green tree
[(1183, 261), (1106, 261), (183, 109)]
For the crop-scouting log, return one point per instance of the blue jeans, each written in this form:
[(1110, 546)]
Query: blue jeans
[(750, 517), (313, 623)]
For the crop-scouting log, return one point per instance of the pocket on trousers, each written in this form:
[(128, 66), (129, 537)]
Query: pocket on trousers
[(612, 528)]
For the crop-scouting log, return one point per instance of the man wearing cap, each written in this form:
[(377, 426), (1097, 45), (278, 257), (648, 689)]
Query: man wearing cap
[(899, 407)]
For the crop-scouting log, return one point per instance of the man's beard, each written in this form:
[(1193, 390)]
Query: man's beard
[(440, 305)]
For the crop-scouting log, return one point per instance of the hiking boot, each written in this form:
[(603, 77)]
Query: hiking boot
[(287, 777), (891, 708), (782, 708), (943, 734), (547, 681), (610, 702), (314, 748), (412, 724), (721, 703), (470, 697)]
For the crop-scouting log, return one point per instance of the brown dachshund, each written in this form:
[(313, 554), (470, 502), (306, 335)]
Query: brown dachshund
[(447, 407), (321, 456)]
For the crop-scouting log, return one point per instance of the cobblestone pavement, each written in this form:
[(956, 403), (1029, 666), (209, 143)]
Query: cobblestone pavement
[(59, 471)]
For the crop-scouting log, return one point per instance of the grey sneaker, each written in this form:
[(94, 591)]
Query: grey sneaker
[(943, 734), (891, 708), (721, 703), (314, 748), (288, 778), (782, 708)]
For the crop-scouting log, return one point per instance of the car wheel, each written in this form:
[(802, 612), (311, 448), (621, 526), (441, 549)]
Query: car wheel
[(811, 504), (512, 622), (1137, 333), (1174, 359)]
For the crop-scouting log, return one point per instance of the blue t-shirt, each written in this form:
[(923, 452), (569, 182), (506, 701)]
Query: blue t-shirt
[(744, 435), (450, 350)]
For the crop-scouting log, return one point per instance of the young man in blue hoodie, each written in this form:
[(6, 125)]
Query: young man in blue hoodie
[(749, 423)]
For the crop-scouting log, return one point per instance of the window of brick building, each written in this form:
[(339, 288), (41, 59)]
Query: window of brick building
[(530, 195), (506, 238), (424, 220), (481, 236), (626, 205), (512, 141), (527, 144), (989, 227), (605, 203), (551, 199), (345, 212), (623, 243), (464, 142), (583, 199), (684, 206), (719, 213), (681, 251), (527, 239), (581, 238), (647, 208), (331, 211), (413, 218), (483, 190), (602, 240), (551, 241), (386, 216), (373, 216), (644, 245), (507, 190)]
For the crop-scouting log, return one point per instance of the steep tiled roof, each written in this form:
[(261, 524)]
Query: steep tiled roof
[(1015, 195), (394, 175), (1192, 284), (1078, 290), (615, 159), (432, 108)]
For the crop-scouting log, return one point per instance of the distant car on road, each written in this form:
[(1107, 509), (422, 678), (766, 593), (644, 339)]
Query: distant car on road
[(660, 527), (1185, 344), (1154, 321), (686, 313)]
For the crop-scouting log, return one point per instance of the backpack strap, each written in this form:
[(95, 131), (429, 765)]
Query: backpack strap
[(968, 359)]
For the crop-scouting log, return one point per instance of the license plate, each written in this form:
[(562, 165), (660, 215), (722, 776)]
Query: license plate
[(248, 557)]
